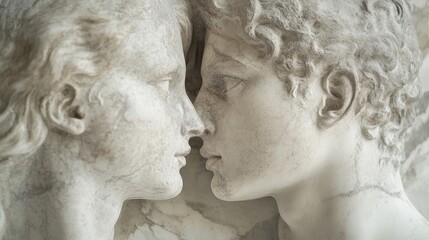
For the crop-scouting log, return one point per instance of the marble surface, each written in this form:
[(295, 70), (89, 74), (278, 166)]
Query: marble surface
[(197, 214), (181, 218), (416, 167), (93, 112)]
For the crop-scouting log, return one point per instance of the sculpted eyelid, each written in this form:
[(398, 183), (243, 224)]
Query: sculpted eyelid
[(170, 76), (160, 80), (227, 90), (235, 79), (166, 79)]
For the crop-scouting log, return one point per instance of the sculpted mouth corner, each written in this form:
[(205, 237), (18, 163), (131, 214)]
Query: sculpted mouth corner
[(207, 154), (212, 163), (182, 161)]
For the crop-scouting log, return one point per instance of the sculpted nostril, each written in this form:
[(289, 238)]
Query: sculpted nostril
[(206, 131), (193, 129)]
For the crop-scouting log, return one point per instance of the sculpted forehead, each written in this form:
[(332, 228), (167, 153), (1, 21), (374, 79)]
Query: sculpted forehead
[(154, 47)]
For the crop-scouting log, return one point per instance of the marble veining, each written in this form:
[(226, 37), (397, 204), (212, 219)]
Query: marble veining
[(196, 213)]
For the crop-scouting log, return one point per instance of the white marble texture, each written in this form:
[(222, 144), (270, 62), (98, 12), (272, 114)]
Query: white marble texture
[(197, 214), (93, 112), (264, 224), (416, 167)]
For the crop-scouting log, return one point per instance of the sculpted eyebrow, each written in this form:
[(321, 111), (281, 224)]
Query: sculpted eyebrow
[(226, 58)]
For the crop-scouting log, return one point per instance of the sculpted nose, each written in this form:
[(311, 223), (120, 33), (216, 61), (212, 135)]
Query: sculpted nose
[(202, 108), (192, 126)]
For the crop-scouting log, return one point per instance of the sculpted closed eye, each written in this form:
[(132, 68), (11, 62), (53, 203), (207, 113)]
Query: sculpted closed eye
[(163, 84), (223, 85)]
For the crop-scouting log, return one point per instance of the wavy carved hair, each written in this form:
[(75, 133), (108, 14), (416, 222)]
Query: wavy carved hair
[(375, 38), (60, 41)]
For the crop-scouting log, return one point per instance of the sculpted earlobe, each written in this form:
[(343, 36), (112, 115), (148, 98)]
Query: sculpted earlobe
[(61, 112), (339, 86)]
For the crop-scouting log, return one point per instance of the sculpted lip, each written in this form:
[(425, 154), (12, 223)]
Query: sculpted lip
[(182, 160), (207, 154), (181, 156), (211, 158), (183, 153)]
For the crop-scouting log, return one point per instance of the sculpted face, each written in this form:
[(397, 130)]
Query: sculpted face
[(259, 138), (94, 101), (104, 96), (141, 119)]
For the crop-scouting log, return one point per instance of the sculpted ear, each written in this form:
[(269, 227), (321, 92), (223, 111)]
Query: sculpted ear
[(61, 111), (339, 86)]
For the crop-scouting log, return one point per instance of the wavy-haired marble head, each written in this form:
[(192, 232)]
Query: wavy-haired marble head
[(93, 111), (307, 101)]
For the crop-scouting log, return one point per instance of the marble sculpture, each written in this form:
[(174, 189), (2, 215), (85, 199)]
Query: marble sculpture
[(305, 101), (93, 112)]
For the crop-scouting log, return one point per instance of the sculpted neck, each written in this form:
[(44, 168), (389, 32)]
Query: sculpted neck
[(79, 210), (59, 199), (352, 197)]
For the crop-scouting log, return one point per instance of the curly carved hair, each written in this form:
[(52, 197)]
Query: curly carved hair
[(375, 38), (60, 41)]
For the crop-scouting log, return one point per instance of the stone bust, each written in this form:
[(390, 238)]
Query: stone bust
[(307, 101), (93, 111)]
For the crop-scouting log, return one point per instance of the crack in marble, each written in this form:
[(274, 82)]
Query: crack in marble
[(366, 188), (270, 226)]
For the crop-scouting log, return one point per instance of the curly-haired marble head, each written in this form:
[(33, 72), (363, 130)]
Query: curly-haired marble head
[(307, 101)]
